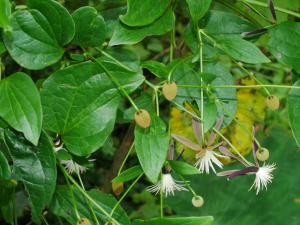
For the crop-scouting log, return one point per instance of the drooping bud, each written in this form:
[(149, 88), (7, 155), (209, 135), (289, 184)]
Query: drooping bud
[(117, 188), (83, 221), (197, 201), (142, 118), (170, 90), (262, 154), (273, 102)]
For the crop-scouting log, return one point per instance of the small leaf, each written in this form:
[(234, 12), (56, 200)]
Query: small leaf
[(5, 172), (183, 168), (58, 17), (284, 43), (90, 27), (198, 8), (132, 35), (293, 101), (35, 167), (128, 174), (31, 27), (142, 13), (241, 50), (151, 146), (204, 220), (21, 105), (157, 68), (5, 11)]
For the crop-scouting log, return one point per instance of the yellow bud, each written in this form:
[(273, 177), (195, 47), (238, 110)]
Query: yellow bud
[(262, 154), (170, 90), (142, 118), (117, 188), (84, 221), (272, 102), (197, 201)]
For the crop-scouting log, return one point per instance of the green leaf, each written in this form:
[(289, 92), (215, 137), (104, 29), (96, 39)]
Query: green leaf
[(284, 43), (31, 27), (58, 17), (157, 68), (90, 27), (21, 105), (129, 35), (205, 220), (35, 167), (5, 172), (142, 13), (128, 174), (5, 11), (151, 146), (230, 202), (183, 168), (80, 103), (293, 102), (219, 22), (198, 8), (241, 50), (62, 206)]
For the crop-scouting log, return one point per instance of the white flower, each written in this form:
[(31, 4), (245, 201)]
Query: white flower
[(72, 166), (206, 159), (263, 177), (167, 185)]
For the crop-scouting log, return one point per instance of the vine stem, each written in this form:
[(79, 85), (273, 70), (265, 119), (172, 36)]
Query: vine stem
[(87, 196), (188, 185), (125, 159), (240, 86), (258, 3), (216, 131), (161, 202), (125, 194), (115, 80)]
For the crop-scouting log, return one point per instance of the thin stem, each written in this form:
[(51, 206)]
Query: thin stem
[(44, 220), (258, 3), (115, 80), (216, 131), (87, 195), (208, 37), (240, 86), (188, 186), (156, 102), (124, 195), (88, 202), (161, 203), (125, 159)]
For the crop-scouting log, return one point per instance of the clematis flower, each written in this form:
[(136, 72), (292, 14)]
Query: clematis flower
[(168, 185), (205, 156), (263, 174), (73, 167)]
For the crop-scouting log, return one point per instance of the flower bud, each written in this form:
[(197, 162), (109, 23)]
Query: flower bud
[(142, 118), (117, 188), (262, 154), (170, 90), (197, 201), (273, 102), (83, 221)]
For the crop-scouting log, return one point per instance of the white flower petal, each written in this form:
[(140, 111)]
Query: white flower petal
[(206, 161)]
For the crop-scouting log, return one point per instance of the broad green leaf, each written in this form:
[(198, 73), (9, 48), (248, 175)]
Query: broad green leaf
[(21, 105), (284, 43), (205, 220), (80, 103), (132, 35), (35, 167), (128, 174), (220, 22), (198, 8), (151, 146), (58, 17), (90, 27), (230, 202), (62, 206), (31, 27), (240, 49), (157, 68), (142, 13), (5, 12), (293, 101), (5, 172), (183, 168), (226, 102)]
